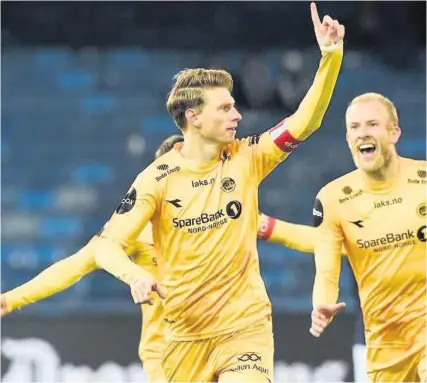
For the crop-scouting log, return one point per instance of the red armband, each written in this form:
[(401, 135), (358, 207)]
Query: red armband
[(267, 226), (282, 138)]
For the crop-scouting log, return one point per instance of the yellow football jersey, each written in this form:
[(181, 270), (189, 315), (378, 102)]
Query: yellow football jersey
[(383, 228), (205, 219)]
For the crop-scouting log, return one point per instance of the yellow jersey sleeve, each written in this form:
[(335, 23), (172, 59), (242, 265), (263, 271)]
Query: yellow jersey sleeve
[(54, 279), (152, 336), (293, 236), (327, 251), (129, 219), (274, 146), (296, 237)]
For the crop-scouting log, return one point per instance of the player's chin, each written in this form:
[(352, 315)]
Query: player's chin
[(370, 165)]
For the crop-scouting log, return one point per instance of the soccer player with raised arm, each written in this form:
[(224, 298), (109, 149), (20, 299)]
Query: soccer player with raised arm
[(70, 270), (202, 199), (378, 212)]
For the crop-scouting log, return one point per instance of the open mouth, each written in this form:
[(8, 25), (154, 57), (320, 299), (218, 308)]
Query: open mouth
[(367, 149)]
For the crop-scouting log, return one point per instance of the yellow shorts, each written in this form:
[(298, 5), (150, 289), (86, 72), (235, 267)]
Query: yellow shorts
[(154, 370), (410, 365), (246, 355)]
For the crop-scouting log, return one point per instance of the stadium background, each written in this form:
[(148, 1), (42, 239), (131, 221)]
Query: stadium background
[(83, 91)]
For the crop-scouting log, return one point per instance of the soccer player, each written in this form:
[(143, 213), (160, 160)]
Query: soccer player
[(378, 212), (202, 199), (70, 270), (303, 238)]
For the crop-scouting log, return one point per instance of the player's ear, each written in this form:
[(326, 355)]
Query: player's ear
[(348, 140), (395, 134), (193, 117)]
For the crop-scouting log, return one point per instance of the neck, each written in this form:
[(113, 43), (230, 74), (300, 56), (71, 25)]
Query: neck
[(386, 176), (200, 149)]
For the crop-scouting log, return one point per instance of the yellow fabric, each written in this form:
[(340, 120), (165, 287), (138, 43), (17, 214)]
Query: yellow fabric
[(205, 223), (70, 270), (383, 228), (243, 356)]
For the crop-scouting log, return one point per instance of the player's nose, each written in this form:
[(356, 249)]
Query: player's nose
[(237, 116)]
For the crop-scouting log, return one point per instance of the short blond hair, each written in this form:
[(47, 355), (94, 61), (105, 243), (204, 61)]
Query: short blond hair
[(391, 109), (187, 92), (168, 144)]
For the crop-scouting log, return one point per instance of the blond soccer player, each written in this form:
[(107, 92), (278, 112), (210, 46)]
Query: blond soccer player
[(70, 270), (378, 212), (202, 199)]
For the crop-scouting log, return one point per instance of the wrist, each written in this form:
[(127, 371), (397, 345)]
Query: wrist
[(266, 227)]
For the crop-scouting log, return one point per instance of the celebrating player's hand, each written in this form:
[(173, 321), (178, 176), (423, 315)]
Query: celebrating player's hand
[(4, 310), (322, 315), (141, 290), (328, 31)]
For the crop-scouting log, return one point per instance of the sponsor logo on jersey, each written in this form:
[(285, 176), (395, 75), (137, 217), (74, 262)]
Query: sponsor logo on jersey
[(421, 174), (394, 201), (317, 213), (163, 167), (198, 183), (127, 203), (209, 221), (421, 233), (388, 241), (350, 196), (249, 361), (347, 190), (166, 171), (175, 202)]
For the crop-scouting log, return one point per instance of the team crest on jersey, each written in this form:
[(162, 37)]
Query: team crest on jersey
[(421, 210), (228, 185)]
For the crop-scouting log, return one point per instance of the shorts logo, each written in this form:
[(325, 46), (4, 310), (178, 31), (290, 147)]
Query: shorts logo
[(421, 233), (421, 210), (163, 167), (234, 209), (347, 190), (249, 357), (228, 185), (128, 202), (317, 213)]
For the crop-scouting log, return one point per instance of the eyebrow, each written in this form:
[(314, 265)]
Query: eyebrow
[(357, 123), (232, 103)]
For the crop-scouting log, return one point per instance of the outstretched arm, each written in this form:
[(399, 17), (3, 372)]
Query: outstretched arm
[(54, 279)]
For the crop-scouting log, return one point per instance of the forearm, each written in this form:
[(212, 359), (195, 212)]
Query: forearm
[(328, 267), (51, 281), (326, 288), (308, 118), (110, 256), (293, 236)]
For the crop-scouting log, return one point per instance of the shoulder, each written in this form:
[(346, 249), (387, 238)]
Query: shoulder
[(158, 171), (341, 187)]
